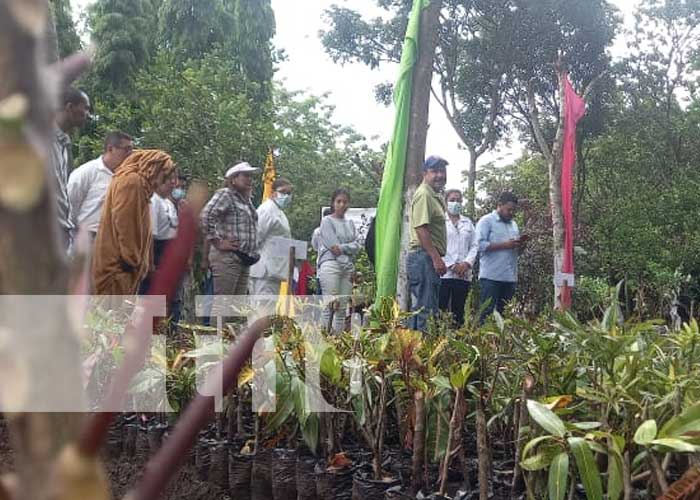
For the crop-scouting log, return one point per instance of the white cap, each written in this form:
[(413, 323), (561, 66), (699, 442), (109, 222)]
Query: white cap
[(240, 168)]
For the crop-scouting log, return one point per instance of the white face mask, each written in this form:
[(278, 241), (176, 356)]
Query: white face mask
[(454, 207), (283, 200)]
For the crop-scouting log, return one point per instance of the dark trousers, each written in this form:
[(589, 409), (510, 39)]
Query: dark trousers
[(496, 293), (453, 295), (158, 249), (208, 300)]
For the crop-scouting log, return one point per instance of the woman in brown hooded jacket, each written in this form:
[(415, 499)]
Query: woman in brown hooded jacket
[(123, 245)]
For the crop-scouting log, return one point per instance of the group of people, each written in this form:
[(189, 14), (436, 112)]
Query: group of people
[(121, 208), (126, 202), (125, 205), (444, 246)]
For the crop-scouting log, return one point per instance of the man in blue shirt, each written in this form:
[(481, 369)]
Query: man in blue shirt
[(499, 245)]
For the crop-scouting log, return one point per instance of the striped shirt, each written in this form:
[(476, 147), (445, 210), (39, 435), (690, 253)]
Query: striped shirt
[(230, 216), (61, 158)]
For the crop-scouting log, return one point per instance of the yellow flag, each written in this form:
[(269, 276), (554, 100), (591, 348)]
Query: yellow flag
[(268, 176), (285, 302)]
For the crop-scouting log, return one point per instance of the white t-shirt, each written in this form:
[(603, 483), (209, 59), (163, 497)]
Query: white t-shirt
[(87, 188), (164, 219)]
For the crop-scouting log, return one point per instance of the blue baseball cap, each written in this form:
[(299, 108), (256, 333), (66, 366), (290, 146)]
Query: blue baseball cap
[(432, 162)]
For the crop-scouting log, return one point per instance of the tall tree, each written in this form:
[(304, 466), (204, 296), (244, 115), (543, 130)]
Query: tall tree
[(254, 28), (121, 30), (191, 28), (68, 39), (473, 58)]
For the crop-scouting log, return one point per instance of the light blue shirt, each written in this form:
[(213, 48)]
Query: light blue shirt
[(497, 265)]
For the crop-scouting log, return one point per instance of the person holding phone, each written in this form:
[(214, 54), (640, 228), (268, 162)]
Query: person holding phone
[(500, 242)]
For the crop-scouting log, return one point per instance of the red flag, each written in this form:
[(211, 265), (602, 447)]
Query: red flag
[(575, 108), (305, 273)]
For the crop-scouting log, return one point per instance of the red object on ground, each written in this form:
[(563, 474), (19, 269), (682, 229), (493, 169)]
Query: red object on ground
[(305, 273), (575, 108)]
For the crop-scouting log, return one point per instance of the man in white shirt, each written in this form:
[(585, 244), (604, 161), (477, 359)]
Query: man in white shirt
[(88, 184), (268, 273), (462, 250)]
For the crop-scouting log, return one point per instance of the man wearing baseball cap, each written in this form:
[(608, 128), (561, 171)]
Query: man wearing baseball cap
[(428, 242), (230, 224)]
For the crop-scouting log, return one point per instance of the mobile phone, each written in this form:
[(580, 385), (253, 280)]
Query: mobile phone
[(524, 237)]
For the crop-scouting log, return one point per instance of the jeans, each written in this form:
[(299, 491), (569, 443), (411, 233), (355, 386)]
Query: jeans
[(336, 280), (499, 293), (424, 286), (453, 295)]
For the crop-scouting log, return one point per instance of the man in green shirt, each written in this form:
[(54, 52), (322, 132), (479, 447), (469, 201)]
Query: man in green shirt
[(428, 242)]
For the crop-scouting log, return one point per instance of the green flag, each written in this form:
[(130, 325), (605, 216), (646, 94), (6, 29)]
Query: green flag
[(390, 208)]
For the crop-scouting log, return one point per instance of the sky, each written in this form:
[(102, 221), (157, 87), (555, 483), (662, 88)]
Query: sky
[(350, 87)]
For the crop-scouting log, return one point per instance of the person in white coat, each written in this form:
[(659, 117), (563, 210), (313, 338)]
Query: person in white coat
[(268, 273), (462, 250)]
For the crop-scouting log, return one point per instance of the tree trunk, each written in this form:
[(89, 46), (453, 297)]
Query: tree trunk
[(627, 476), (471, 186), (482, 448), (555, 196), (553, 158), (418, 444), (417, 131), (466, 480), (453, 435), (31, 266), (523, 421)]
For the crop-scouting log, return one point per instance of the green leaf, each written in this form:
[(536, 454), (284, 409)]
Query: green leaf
[(639, 460), (441, 382), (147, 380), (688, 421), (558, 474), (537, 462), (645, 433), (597, 447), (331, 366), (586, 426), (310, 433), (675, 445), (587, 468), (460, 376), (532, 443), (499, 321), (299, 397), (546, 418), (615, 486), (281, 415)]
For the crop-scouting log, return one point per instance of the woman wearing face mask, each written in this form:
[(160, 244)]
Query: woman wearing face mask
[(337, 250), (462, 249), (269, 272)]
